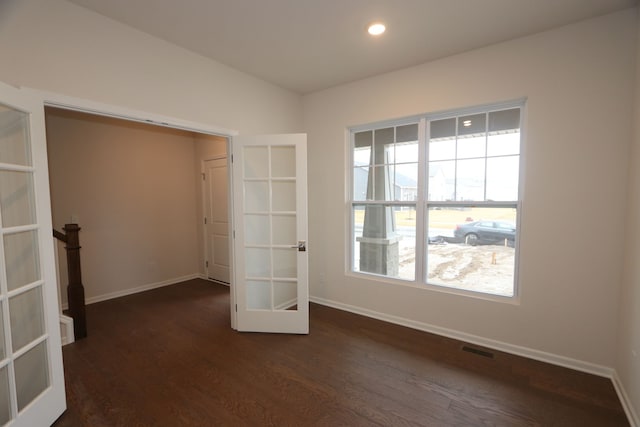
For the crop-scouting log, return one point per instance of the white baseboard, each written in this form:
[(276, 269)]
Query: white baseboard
[(67, 335), (602, 371), (632, 415), (554, 359), (209, 279), (136, 290)]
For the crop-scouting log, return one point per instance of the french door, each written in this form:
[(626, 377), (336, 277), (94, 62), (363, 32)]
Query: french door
[(31, 375), (270, 225)]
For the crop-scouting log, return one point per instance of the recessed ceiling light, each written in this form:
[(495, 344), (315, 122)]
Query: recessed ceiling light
[(466, 123), (376, 28)]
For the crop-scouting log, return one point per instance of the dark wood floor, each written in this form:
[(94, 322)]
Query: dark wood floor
[(168, 357)]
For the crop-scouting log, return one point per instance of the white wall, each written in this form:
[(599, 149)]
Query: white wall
[(132, 188), (57, 46), (628, 365), (577, 127)]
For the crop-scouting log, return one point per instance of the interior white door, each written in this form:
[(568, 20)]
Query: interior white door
[(217, 218), (270, 225), (31, 374)]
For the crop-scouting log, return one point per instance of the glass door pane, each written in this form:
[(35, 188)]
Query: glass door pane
[(15, 145), (24, 368), (32, 376), (270, 228), (17, 204), (5, 403), (21, 259), (26, 317)]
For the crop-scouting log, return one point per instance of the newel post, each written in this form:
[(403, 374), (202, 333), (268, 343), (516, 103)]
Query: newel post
[(75, 289)]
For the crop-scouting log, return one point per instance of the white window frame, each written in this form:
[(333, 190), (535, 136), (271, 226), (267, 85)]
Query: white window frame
[(422, 203)]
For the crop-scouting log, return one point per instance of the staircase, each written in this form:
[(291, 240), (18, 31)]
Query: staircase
[(75, 289)]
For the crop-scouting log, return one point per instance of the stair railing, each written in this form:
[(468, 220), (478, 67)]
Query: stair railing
[(75, 289)]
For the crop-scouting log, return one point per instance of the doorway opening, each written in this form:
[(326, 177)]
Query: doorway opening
[(136, 190)]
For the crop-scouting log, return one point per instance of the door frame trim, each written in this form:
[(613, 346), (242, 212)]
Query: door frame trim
[(57, 100)]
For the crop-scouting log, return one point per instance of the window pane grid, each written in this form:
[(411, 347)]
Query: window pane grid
[(470, 169), (385, 163), (472, 248)]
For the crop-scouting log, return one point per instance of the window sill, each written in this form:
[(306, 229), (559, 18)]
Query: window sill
[(514, 300)]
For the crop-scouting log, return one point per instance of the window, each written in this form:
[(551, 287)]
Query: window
[(385, 193), (439, 206)]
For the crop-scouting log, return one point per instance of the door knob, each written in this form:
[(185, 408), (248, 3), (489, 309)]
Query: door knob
[(301, 246)]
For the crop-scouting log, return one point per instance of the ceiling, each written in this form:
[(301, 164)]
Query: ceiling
[(310, 45)]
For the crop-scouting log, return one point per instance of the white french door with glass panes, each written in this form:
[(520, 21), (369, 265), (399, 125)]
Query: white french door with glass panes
[(270, 227), (31, 375)]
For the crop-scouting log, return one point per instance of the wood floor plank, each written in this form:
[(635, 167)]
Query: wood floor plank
[(169, 357)]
